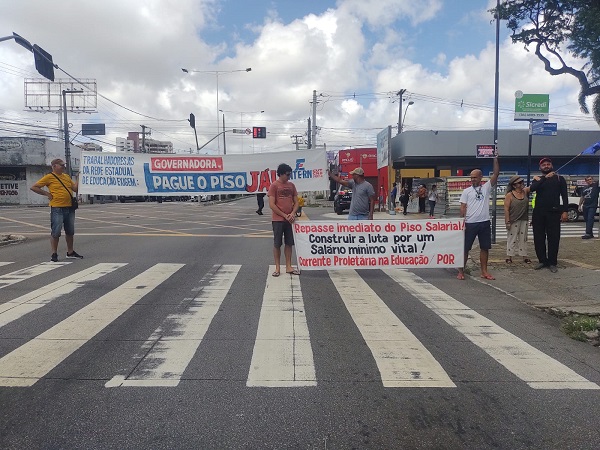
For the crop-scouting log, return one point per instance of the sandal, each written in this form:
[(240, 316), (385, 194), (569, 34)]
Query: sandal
[(275, 274), (460, 276), (508, 260), (527, 261), (294, 272), (487, 276)]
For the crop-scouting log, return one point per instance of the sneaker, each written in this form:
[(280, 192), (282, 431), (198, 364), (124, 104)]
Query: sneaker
[(539, 266), (553, 269), (587, 236), (54, 257), (74, 255)]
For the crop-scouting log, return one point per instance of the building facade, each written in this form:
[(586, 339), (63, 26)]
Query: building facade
[(23, 161)]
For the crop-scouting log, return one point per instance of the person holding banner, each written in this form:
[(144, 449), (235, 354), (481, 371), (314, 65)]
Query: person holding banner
[(475, 208), (60, 192), (283, 200), (362, 204), (548, 213), (588, 205)]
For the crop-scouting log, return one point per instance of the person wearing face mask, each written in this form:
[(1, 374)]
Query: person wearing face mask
[(548, 213)]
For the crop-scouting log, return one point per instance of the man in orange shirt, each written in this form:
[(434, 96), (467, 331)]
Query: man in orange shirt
[(283, 201), (60, 191)]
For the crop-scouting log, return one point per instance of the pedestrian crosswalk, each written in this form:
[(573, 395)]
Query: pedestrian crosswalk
[(283, 350), (568, 229)]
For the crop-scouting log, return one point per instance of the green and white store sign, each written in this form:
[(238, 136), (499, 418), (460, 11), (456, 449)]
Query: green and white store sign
[(532, 106)]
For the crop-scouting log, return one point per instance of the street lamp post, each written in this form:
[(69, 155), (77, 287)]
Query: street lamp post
[(217, 73), (404, 116)]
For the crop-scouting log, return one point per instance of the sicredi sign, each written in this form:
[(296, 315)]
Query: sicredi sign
[(532, 106)]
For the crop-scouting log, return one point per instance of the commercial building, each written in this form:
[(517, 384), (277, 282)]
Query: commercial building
[(23, 161)]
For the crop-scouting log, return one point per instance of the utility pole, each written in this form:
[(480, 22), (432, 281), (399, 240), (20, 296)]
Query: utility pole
[(309, 134), (314, 120), (400, 94), (144, 137), (297, 141), (66, 128)]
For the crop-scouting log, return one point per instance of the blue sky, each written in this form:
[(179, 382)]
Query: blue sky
[(356, 54)]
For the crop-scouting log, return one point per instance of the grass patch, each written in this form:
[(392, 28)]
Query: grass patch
[(574, 326)]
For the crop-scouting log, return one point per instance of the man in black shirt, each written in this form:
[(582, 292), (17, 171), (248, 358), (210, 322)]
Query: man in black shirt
[(588, 205), (548, 213)]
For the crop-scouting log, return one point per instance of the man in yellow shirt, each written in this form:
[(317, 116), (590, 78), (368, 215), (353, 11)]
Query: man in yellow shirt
[(61, 188)]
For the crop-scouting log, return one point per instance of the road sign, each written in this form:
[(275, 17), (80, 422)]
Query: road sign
[(92, 129), (531, 106), (544, 129)]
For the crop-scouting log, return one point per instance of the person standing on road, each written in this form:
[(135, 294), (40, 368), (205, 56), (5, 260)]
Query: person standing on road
[(60, 192), (422, 194), (362, 204), (405, 198), (516, 216), (432, 198), (283, 200), (475, 208), (260, 200), (588, 205), (393, 195), (548, 213)]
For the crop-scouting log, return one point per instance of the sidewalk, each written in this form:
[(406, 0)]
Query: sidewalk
[(575, 289)]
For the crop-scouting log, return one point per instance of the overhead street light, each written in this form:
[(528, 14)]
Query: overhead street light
[(404, 116), (216, 73)]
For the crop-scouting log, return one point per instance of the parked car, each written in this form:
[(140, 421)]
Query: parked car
[(132, 198), (341, 200)]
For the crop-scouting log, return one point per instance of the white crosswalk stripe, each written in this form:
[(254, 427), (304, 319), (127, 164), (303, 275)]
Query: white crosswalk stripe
[(172, 348), (27, 273), (566, 230), (17, 308), (526, 362), (402, 360), (33, 360), (282, 354)]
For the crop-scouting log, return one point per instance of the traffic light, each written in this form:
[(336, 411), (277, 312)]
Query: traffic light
[(259, 132), (192, 121), (43, 62)]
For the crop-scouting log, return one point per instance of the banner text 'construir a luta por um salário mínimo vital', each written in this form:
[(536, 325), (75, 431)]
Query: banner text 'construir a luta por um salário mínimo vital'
[(379, 244), (103, 173)]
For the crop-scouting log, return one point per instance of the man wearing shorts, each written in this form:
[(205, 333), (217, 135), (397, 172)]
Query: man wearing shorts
[(283, 201), (61, 214), (475, 208)]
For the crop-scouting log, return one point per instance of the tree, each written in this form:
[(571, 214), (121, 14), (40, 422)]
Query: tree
[(556, 28)]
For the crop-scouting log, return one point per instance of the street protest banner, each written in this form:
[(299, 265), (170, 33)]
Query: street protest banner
[(378, 244), (104, 173)]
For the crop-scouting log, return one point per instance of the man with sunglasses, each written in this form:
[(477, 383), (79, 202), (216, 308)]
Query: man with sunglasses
[(283, 201), (61, 189), (588, 205), (475, 208), (548, 213)]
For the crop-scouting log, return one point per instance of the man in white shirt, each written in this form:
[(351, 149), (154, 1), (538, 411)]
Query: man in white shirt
[(475, 208)]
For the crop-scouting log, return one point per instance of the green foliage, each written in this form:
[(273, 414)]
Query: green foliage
[(556, 27), (574, 326)]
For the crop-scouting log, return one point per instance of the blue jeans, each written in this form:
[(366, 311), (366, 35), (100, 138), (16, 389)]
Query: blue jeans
[(60, 217), (358, 217), (588, 216)]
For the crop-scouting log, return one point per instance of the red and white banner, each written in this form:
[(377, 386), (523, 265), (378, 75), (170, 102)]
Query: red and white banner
[(379, 244)]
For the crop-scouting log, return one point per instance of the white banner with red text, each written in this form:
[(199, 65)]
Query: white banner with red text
[(103, 173), (379, 244)]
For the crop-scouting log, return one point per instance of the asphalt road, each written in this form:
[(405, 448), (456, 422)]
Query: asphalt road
[(171, 333)]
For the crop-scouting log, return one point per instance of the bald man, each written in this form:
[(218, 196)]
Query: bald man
[(475, 208)]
